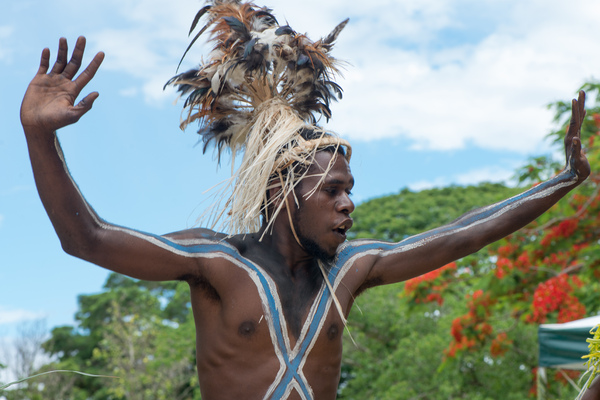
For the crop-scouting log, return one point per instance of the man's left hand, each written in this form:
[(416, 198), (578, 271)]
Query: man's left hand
[(576, 160)]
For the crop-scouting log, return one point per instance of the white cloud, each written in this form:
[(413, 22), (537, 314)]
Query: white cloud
[(146, 43), (425, 184), (408, 77), (11, 316), (1, 220), (488, 174), (491, 93), (495, 174)]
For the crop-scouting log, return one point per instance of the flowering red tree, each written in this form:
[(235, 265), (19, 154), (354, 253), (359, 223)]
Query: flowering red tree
[(547, 272)]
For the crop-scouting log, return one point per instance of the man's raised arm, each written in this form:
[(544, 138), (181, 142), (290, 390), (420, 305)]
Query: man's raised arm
[(48, 105), (430, 250)]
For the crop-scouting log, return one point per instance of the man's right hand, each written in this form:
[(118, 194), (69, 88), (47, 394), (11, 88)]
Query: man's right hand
[(49, 103)]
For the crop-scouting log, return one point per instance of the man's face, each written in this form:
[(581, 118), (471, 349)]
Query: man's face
[(323, 219)]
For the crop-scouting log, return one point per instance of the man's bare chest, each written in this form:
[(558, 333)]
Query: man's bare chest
[(258, 315), (256, 305)]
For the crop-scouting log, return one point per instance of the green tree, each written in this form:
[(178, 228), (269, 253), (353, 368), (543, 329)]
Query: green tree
[(141, 332)]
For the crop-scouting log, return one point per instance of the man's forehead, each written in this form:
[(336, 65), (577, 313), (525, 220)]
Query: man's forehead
[(340, 169)]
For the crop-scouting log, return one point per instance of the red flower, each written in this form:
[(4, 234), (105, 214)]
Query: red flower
[(555, 295), (424, 289), (500, 345)]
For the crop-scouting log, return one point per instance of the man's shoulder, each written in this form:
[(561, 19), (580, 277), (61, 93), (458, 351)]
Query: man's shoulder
[(199, 241), (195, 234), (217, 241), (363, 245)]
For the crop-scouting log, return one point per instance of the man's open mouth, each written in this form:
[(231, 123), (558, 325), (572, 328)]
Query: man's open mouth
[(343, 228)]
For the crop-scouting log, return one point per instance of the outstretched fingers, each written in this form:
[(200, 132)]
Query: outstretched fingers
[(44, 62), (574, 128), (86, 76), (61, 58), (581, 104), (70, 69), (50, 101), (86, 103), (576, 160), (75, 63)]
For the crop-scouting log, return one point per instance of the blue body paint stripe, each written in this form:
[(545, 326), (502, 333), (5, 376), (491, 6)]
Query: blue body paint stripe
[(292, 372)]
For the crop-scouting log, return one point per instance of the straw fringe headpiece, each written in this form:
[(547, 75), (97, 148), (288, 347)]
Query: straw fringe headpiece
[(262, 85)]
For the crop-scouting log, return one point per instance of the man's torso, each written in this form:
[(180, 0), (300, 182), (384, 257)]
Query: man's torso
[(265, 331)]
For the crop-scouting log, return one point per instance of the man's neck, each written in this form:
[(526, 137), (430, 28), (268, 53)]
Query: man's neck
[(280, 241)]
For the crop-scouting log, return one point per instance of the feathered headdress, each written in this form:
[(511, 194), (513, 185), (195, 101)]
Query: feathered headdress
[(263, 84)]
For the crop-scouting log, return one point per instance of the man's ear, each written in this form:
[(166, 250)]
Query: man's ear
[(275, 197), (273, 201)]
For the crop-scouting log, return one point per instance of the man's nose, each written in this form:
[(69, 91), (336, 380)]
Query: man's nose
[(345, 204)]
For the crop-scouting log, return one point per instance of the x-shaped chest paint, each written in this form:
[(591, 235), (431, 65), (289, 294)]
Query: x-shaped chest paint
[(290, 375)]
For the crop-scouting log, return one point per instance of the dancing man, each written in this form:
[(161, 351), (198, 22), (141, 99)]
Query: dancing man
[(271, 294)]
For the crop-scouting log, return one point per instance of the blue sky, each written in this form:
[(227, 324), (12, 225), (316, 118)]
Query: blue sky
[(437, 92)]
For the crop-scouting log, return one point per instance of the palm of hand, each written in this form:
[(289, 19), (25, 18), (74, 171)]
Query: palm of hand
[(49, 103)]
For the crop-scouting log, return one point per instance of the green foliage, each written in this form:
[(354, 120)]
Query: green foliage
[(401, 350), (141, 332)]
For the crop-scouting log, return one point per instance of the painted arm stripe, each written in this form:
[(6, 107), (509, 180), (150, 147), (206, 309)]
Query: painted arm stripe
[(359, 248)]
